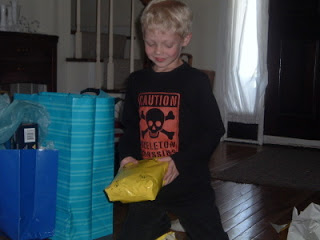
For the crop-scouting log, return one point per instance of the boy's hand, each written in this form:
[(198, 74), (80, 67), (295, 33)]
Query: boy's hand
[(127, 160), (172, 172)]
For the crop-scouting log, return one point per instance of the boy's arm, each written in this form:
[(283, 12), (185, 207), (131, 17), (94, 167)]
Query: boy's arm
[(129, 144), (211, 129)]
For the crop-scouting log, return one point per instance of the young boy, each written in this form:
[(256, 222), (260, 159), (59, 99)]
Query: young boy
[(170, 113)]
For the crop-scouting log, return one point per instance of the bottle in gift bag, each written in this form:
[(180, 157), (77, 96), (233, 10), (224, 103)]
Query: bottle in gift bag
[(26, 136)]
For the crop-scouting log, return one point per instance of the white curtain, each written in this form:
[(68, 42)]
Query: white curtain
[(243, 61)]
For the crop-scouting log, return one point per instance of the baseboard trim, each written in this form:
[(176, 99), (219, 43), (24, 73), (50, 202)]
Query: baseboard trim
[(290, 141)]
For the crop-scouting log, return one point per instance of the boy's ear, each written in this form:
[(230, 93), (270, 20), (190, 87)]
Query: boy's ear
[(187, 40)]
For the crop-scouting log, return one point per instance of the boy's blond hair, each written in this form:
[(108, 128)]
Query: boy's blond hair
[(167, 15)]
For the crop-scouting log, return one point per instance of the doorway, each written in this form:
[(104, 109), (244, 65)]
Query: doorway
[(292, 101)]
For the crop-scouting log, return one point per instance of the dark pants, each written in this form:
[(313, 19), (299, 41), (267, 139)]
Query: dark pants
[(197, 213)]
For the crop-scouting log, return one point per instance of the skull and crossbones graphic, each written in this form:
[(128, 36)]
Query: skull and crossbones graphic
[(155, 119)]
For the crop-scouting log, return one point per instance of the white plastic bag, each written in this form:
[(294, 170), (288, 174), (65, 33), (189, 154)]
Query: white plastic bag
[(20, 111), (306, 225)]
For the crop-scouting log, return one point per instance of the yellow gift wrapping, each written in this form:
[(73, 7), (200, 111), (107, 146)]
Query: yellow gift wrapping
[(168, 236), (137, 182)]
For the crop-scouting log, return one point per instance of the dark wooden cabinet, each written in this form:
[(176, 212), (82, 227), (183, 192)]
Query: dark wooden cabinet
[(28, 58)]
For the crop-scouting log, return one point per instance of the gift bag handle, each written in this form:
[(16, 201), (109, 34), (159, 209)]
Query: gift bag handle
[(91, 90)]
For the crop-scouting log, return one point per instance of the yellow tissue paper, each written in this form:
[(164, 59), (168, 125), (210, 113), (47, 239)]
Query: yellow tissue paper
[(137, 182)]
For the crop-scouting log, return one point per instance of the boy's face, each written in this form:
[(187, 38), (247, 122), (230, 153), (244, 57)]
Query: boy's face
[(164, 49)]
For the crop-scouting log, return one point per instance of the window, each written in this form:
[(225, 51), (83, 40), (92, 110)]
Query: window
[(245, 61)]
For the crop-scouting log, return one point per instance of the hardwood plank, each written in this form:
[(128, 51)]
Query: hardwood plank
[(270, 233), (257, 229), (241, 211), (282, 205), (231, 191), (247, 198)]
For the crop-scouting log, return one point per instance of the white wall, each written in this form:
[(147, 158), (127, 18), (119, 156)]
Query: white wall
[(205, 28), (42, 10)]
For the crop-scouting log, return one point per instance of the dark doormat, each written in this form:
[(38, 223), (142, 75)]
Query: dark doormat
[(277, 166)]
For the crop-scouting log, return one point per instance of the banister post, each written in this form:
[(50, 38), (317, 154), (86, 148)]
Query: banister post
[(78, 36), (132, 37), (110, 70), (98, 83)]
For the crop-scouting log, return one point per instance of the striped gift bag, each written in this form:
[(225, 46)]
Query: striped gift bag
[(82, 129)]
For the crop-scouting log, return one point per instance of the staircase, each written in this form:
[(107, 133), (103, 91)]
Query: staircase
[(121, 63), (107, 55)]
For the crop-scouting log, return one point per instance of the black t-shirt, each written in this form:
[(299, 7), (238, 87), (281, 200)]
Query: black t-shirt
[(172, 114)]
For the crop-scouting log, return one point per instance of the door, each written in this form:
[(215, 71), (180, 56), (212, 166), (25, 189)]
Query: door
[(292, 103)]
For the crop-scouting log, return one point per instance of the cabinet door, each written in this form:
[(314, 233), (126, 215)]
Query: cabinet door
[(28, 59), (292, 106)]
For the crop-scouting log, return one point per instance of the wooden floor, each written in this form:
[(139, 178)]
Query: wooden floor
[(247, 211)]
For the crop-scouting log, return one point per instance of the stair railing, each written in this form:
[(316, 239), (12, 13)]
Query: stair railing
[(110, 65)]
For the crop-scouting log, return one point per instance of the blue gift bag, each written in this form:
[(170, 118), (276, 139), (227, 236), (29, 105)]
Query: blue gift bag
[(28, 185), (82, 129)]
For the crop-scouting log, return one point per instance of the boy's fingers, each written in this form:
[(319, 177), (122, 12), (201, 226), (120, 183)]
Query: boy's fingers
[(127, 160), (171, 173), (165, 159)]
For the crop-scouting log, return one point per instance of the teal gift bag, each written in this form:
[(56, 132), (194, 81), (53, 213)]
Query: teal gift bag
[(82, 129)]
